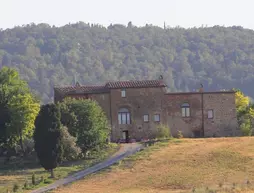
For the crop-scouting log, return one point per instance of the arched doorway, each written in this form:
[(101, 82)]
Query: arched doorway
[(124, 118)]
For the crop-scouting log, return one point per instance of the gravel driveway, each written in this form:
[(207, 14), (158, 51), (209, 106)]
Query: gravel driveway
[(124, 151)]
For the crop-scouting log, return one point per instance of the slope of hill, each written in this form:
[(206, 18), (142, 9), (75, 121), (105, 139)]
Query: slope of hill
[(188, 165), (219, 57)]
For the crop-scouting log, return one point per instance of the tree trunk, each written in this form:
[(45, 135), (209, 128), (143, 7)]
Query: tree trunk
[(52, 173), (21, 143)]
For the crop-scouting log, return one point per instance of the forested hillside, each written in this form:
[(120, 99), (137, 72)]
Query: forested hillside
[(218, 57)]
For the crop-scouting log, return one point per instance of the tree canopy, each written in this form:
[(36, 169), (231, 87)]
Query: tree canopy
[(218, 57), (245, 113), (86, 121), (18, 111), (48, 137)]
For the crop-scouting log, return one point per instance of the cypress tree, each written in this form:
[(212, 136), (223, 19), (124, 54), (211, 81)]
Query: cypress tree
[(48, 137)]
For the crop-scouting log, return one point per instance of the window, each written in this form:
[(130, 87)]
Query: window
[(146, 118), (157, 118), (124, 117), (123, 93), (185, 110), (210, 114)]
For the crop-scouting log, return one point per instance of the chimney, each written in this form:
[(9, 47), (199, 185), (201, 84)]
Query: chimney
[(77, 84), (201, 89)]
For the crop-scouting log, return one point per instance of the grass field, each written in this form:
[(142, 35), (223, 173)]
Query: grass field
[(20, 173), (186, 165)]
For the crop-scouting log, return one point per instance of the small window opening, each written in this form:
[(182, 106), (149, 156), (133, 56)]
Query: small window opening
[(123, 93), (210, 114), (185, 110), (156, 118), (146, 118)]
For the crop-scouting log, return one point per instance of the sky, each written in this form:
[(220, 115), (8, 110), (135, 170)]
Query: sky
[(184, 13)]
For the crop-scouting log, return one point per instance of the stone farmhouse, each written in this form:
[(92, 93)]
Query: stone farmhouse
[(135, 109)]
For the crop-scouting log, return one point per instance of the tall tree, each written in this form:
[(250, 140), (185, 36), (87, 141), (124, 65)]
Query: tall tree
[(24, 110), (245, 112), (48, 137), (242, 101), (19, 108), (220, 57)]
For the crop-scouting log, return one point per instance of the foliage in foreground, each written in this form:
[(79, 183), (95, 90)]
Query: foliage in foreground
[(163, 132), (70, 148), (48, 137), (86, 121), (32, 178), (245, 113), (18, 110)]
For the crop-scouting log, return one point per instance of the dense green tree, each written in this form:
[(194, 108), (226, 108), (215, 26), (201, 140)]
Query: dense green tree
[(219, 57), (70, 148), (24, 109), (48, 137), (18, 111), (5, 119), (91, 126), (245, 113)]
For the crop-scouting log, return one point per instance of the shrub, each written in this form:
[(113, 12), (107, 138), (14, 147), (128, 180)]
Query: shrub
[(33, 179), (71, 150), (179, 134), (42, 179), (15, 187), (28, 145), (163, 132), (48, 181), (86, 121), (26, 185), (246, 128)]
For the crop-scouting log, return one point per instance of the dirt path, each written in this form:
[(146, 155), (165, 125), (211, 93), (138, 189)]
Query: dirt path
[(125, 150)]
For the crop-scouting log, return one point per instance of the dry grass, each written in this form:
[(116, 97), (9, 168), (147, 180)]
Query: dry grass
[(221, 164)]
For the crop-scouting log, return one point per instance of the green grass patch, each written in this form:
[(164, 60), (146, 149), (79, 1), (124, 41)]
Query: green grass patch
[(21, 174)]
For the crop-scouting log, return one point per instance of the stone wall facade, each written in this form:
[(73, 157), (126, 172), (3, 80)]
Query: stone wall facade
[(224, 122), (221, 106), (175, 120), (210, 114), (139, 102)]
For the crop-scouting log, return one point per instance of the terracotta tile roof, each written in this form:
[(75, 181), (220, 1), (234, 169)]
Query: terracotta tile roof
[(135, 84), (205, 92), (110, 85), (80, 89)]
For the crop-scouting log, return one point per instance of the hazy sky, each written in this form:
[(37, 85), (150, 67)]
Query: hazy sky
[(186, 13)]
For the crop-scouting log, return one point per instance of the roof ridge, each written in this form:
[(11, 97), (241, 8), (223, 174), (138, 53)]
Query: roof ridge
[(135, 84), (73, 86), (132, 80), (111, 85)]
